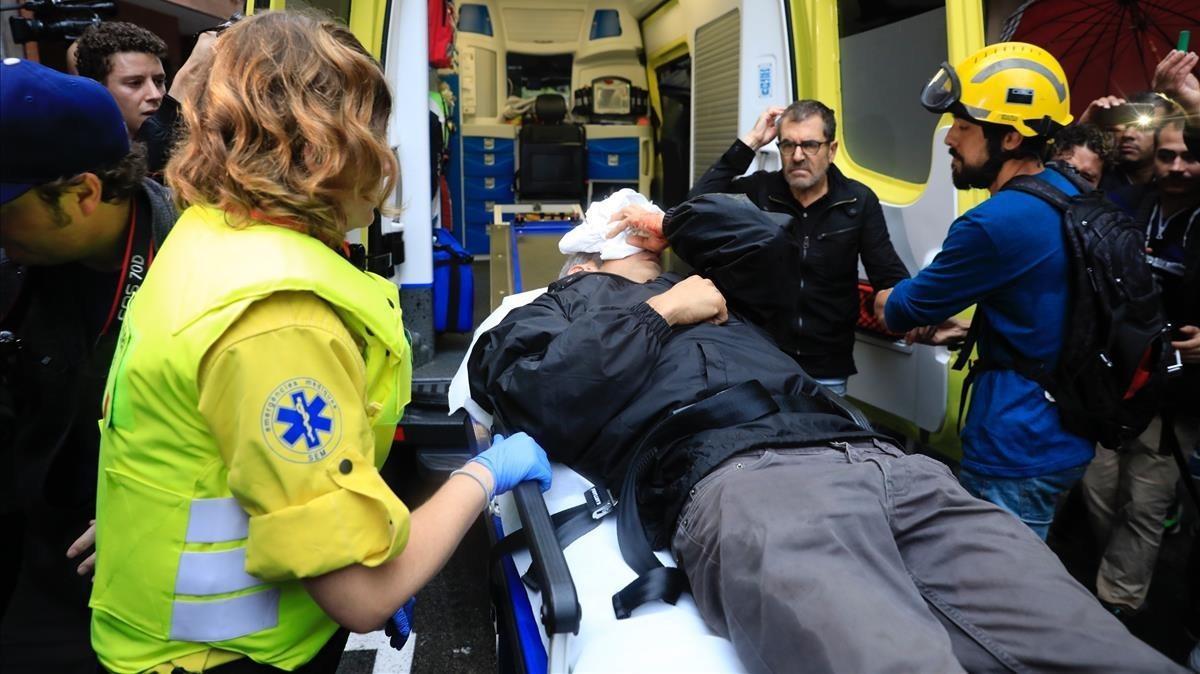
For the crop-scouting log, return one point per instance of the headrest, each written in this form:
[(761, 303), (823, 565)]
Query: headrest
[(549, 109)]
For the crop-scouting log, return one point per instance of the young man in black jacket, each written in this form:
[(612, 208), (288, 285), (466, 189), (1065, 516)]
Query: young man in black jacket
[(809, 540), (80, 226), (128, 60), (836, 221)]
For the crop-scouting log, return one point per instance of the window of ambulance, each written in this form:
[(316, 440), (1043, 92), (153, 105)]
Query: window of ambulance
[(888, 50)]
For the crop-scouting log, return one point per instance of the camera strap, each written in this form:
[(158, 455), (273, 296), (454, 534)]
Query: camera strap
[(139, 253)]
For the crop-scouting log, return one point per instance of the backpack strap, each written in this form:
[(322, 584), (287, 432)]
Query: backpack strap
[(735, 405), (1040, 189), (1029, 368), (964, 355)]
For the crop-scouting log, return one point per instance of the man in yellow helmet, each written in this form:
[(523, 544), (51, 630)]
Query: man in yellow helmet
[(1007, 255)]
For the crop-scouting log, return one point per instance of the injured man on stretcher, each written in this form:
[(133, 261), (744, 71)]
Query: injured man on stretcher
[(810, 541)]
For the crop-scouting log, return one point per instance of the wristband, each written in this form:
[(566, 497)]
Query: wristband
[(487, 495)]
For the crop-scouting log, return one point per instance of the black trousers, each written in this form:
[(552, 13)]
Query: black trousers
[(46, 623)]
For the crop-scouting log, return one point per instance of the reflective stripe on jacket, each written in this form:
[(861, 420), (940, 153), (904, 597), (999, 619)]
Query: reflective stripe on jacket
[(171, 540)]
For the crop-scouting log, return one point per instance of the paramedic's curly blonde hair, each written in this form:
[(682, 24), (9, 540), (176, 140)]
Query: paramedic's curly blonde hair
[(292, 110)]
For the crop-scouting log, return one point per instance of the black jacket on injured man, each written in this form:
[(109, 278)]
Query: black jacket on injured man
[(806, 536)]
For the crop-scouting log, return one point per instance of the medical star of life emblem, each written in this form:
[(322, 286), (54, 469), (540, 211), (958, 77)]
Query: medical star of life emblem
[(301, 422)]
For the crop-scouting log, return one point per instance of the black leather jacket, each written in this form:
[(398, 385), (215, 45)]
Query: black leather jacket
[(831, 235)]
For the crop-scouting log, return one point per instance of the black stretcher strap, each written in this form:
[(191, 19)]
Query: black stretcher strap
[(570, 525), (735, 405)]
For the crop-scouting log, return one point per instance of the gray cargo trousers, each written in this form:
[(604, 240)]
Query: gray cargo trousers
[(860, 559)]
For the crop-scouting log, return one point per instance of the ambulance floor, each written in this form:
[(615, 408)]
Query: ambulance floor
[(453, 630)]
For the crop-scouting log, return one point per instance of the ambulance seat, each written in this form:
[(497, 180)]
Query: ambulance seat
[(552, 153)]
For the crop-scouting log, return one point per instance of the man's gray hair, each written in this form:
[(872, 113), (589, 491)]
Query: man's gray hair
[(580, 259), (802, 110)]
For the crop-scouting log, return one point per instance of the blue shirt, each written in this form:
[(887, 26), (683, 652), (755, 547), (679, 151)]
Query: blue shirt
[(1006, 255)]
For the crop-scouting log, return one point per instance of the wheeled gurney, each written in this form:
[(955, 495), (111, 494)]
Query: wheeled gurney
[(568, 623)]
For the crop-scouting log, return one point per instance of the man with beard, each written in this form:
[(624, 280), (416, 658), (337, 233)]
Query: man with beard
[(1129, 493), (836, 221), (1007, 256), (1133, 139)]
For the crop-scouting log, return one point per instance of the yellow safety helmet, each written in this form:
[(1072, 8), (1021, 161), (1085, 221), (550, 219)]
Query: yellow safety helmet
[(1012, 83)]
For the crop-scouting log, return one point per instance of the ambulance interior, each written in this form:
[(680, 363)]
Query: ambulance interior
[(559, 104), (563, 102)]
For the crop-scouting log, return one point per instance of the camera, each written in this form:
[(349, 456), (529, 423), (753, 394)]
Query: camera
[(63, 20), (224, 25), (1174, 358), (1139, 114)]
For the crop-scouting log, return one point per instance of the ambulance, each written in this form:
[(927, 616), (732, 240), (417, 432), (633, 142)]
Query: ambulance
[(652, 93)]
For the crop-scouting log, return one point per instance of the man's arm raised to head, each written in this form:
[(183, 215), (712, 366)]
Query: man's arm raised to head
[(724, 175)]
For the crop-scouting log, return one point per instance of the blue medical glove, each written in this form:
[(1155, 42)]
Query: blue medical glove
[(400, 625), (515, 459)]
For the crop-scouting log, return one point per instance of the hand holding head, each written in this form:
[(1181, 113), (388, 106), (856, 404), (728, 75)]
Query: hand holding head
[(644, 226), (765, 129)]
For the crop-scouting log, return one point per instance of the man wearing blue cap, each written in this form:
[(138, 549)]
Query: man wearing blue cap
[(79, 223)]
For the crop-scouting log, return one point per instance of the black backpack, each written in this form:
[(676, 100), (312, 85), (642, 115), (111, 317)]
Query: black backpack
[(1111, 373)]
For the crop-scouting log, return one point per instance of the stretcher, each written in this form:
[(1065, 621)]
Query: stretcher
[(568, 623)]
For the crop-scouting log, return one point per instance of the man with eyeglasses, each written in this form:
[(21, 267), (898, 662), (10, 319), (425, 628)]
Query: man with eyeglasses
[(836, 221)]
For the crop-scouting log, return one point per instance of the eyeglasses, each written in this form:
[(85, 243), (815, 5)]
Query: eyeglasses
[(1168, 156), (810, 148)]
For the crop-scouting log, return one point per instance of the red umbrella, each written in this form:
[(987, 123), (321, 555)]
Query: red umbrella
[(1104, 46)]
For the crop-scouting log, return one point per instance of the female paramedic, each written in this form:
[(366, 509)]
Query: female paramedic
[(258, 380)]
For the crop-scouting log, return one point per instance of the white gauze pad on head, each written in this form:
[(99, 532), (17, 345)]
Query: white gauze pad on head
[(588, 236)]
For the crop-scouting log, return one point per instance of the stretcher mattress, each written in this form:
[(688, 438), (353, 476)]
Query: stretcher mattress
[(658, 637)]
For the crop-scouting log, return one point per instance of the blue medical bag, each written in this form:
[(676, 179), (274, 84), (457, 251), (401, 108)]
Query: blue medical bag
[(453, 284)]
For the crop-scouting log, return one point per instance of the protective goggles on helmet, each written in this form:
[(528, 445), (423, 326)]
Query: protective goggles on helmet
[(943, 91)]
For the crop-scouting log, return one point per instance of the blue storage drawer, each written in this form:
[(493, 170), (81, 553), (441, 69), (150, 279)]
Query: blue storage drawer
[(495, 164), (492, 188), (479, 211), (613, 145), (477, 144), (613, 159)]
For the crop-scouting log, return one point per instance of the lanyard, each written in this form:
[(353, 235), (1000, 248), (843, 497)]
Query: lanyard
[(1156, 227), (139, 253)]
